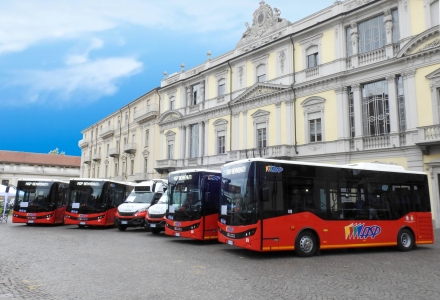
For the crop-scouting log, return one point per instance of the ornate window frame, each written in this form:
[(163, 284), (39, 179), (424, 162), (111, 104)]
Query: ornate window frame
[(313, 108), (170, 141), (427, 10), (306, 44), (223, 75), (171, 97), (262, 60), (260, 120), (434, 84), (220, 125)]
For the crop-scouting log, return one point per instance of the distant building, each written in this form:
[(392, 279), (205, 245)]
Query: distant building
[(358, 81), (15, 165)]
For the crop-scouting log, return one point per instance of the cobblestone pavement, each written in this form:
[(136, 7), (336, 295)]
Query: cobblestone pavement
[(65, 262)]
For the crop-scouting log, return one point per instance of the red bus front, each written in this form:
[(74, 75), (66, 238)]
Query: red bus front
[(94, 202), (40, 202), (193, 208)]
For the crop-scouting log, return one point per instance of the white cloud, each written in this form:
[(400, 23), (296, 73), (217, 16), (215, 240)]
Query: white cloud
[(79, 82), (84, 57)]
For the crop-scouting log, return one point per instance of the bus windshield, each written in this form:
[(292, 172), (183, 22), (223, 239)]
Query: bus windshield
[(34, 196), (185, 194), (140, 197), (87, 196), (238, 195)]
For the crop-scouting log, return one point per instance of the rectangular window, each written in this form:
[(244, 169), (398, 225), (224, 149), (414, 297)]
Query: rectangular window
[(126, 118), (434, 10), (123, 168), (221, 87), (170, 150), (396, 30), (145, 166), (261, 136), (221, 142), (194, 140), (261, 78), (108, 147), (401, 103), (97, 172), (351, 112), (106, 172), (132, 167), (116, 169), (372, 34), (375, 109), (315, 130), (195, 94), (312, 60), (172, 103), (147, 137)]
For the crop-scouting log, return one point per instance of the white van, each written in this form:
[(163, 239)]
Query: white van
[(156, 214), (132, 212)]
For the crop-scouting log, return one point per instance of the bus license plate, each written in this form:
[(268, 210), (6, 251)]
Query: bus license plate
[(177, 234), (82, 223), (153, 225), (29, 221), (231, 243), (124, 222)]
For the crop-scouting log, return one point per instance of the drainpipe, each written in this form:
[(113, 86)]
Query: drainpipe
[(294, 94)]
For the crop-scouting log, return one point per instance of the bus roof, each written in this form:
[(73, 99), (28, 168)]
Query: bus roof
[(103, 180), (358, 166), (42, 179), (149, 182), (194, 170)]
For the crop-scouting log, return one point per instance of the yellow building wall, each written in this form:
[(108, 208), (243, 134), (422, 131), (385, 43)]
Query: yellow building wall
[(423, 95), (212, 90), (298, 57), (330, 125), (272, 67), (328, 46), (417, 16), (250, 80), (271, 133)]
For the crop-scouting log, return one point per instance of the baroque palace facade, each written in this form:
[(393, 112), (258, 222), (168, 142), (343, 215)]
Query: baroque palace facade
[(358, 81)]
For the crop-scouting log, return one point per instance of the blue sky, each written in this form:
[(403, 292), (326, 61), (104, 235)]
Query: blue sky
[(65, 65)]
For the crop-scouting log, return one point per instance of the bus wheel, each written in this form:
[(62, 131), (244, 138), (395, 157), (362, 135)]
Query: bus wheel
[(405, 240), (155, 231), (122, 227), (81, 226), (306, 245)]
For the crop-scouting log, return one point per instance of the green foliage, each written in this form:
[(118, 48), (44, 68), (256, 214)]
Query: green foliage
[(56, 152)]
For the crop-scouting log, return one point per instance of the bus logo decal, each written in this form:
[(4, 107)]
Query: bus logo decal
[(229, 229), (273, 169), (176, 223), (213, 177), (360, 231)]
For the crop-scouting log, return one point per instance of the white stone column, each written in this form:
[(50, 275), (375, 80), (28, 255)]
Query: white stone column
[(161, 139), (206, 139), (343, 112), (388, 24), (354, 44), (181, 142), (409, 87), (244, 130), (278, 110), (187, 141), (357, 103), (289, 125), (404, 17), (393, 105), (201, 132)]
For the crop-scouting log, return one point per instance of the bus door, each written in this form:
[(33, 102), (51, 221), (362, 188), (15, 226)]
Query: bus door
[(115, 197), (210, 205), (60, 202)]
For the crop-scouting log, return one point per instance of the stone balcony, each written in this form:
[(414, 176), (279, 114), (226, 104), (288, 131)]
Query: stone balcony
[(140, 177), (107, 132), (96, 156), (130, 148), (146, 113), (166, 165), (86, 159), (276, 152), (113, 152), (84, 143), (428, 136)]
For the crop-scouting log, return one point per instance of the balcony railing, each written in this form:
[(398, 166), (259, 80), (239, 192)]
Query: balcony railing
[(113, 152), (130, 148), (311, 72), (166, 165), (84, 143), (372, 56), (107, 132), (86, 159), (281, 152), (146, 113), (374, 142), (140, 176), (96, 156)]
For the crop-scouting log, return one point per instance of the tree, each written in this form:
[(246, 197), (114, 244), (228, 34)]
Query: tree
[(56, 152)]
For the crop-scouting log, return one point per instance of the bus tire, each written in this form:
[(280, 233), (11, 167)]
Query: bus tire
[(306, 244), (405, 240), (81, 226), (155, 230), (122, 227)]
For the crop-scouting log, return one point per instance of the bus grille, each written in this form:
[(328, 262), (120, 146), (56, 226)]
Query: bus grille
[(152, 216), (126, 214)]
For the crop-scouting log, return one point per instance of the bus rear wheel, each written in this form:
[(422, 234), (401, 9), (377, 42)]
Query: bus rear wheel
[(122, 227), (405, 240), (155, 230), (306, 244)]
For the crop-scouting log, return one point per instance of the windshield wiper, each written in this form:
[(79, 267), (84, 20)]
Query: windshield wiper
[(238, 214)]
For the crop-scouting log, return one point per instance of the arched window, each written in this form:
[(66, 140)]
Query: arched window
[(172, 103), (261, 73), (312, 56)]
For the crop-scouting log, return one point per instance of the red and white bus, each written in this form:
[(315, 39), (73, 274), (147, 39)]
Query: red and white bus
[(272, 205), (40, 201), (93, 202), (193, 204)]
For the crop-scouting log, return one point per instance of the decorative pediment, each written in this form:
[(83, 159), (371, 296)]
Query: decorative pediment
[(434, 75), (259, 90), (260, 116), (169, 116), (424, 42), (434, 79), (265, 21)]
